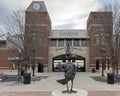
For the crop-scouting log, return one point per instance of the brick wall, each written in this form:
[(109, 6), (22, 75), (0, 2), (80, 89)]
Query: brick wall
[(4, 55)]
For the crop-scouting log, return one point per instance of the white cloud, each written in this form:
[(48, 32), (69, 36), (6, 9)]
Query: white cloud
[(80, 24), (61, 12), (16, 4), (70, 11)]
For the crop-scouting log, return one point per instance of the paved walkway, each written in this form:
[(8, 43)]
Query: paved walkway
[(46, 86)]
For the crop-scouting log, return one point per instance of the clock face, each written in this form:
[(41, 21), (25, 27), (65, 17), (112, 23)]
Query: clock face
[(36, 6)]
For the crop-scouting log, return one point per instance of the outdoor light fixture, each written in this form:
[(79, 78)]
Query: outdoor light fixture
[(20, 57), (103, 51)]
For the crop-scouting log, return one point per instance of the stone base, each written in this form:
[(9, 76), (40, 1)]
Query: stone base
[(78, 92)]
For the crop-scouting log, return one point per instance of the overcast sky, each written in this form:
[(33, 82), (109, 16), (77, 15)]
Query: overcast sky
[(65, 14)]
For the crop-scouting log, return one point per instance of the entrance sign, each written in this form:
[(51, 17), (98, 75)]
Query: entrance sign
[(72, 49)]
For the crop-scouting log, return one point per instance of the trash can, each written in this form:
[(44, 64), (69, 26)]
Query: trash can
[(93, 70), (40, 67), (110, 78), (26, 78)]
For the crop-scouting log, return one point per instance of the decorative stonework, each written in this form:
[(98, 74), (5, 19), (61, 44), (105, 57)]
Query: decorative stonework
[(80, 51)]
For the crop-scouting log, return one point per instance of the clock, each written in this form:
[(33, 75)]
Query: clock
[(36, 6)]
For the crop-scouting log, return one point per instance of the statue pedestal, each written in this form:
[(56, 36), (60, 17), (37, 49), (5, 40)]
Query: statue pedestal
[(79, 92)]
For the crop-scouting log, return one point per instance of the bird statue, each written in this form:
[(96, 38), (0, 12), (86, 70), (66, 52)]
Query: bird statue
[(69, 69)]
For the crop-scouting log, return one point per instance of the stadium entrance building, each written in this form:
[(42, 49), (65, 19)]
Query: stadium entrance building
[(85, 45), (53, 42), (78, 41), (50, 45)]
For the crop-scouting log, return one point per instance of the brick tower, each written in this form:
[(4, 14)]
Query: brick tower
[(99, 25), (37, 28)]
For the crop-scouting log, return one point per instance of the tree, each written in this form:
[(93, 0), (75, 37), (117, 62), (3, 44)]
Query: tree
[(112, 32), (15, 30), (116, 32), (2, 33), (15, 26)]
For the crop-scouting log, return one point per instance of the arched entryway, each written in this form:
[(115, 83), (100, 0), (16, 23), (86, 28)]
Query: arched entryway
[(79, 61)]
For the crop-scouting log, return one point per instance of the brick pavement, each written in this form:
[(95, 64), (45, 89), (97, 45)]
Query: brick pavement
[(104, 93), (25, 93), (90, 93)]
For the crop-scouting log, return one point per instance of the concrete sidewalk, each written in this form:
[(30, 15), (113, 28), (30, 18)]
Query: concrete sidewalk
[(82, 81)]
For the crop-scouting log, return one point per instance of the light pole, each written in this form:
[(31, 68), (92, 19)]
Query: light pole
[(33, 61), (19, 54), (103, 51), (116, 62)]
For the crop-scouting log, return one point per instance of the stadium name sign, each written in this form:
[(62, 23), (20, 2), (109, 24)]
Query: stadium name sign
[(72, 49)]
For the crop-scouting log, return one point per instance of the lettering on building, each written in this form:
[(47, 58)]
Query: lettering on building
[(72, 49)]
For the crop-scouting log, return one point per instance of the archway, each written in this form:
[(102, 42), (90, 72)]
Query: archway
[(57, 61)]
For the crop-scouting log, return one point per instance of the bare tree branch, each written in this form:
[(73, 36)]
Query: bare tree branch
[(113, 38)]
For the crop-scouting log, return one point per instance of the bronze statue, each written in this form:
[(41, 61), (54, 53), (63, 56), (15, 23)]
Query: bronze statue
[(70, 70)]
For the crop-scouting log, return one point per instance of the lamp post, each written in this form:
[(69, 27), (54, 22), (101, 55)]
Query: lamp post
[(117, 65), (115, 59), (33, 61), (103, 51), (19, 54)]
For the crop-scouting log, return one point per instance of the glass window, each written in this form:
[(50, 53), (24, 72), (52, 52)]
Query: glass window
[(76, 42), (103, 39), (97, 41), (39, 39), (84, 42), (41, 21), (69, 41), (36, 39), (53, 42), (61, 42)]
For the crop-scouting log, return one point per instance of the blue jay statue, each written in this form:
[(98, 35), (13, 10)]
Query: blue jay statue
[(69, 71)]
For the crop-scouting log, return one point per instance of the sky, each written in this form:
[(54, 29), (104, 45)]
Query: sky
[(64, 14)]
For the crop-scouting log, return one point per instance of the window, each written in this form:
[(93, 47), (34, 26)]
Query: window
[(103, 39), (53, 42), (41, 21), (36, 39), (98, 20), (76, 42), (69, 41), (37, 21), (95, 21), (61, 42), (39, 39), (84, 42), (97, 41)]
